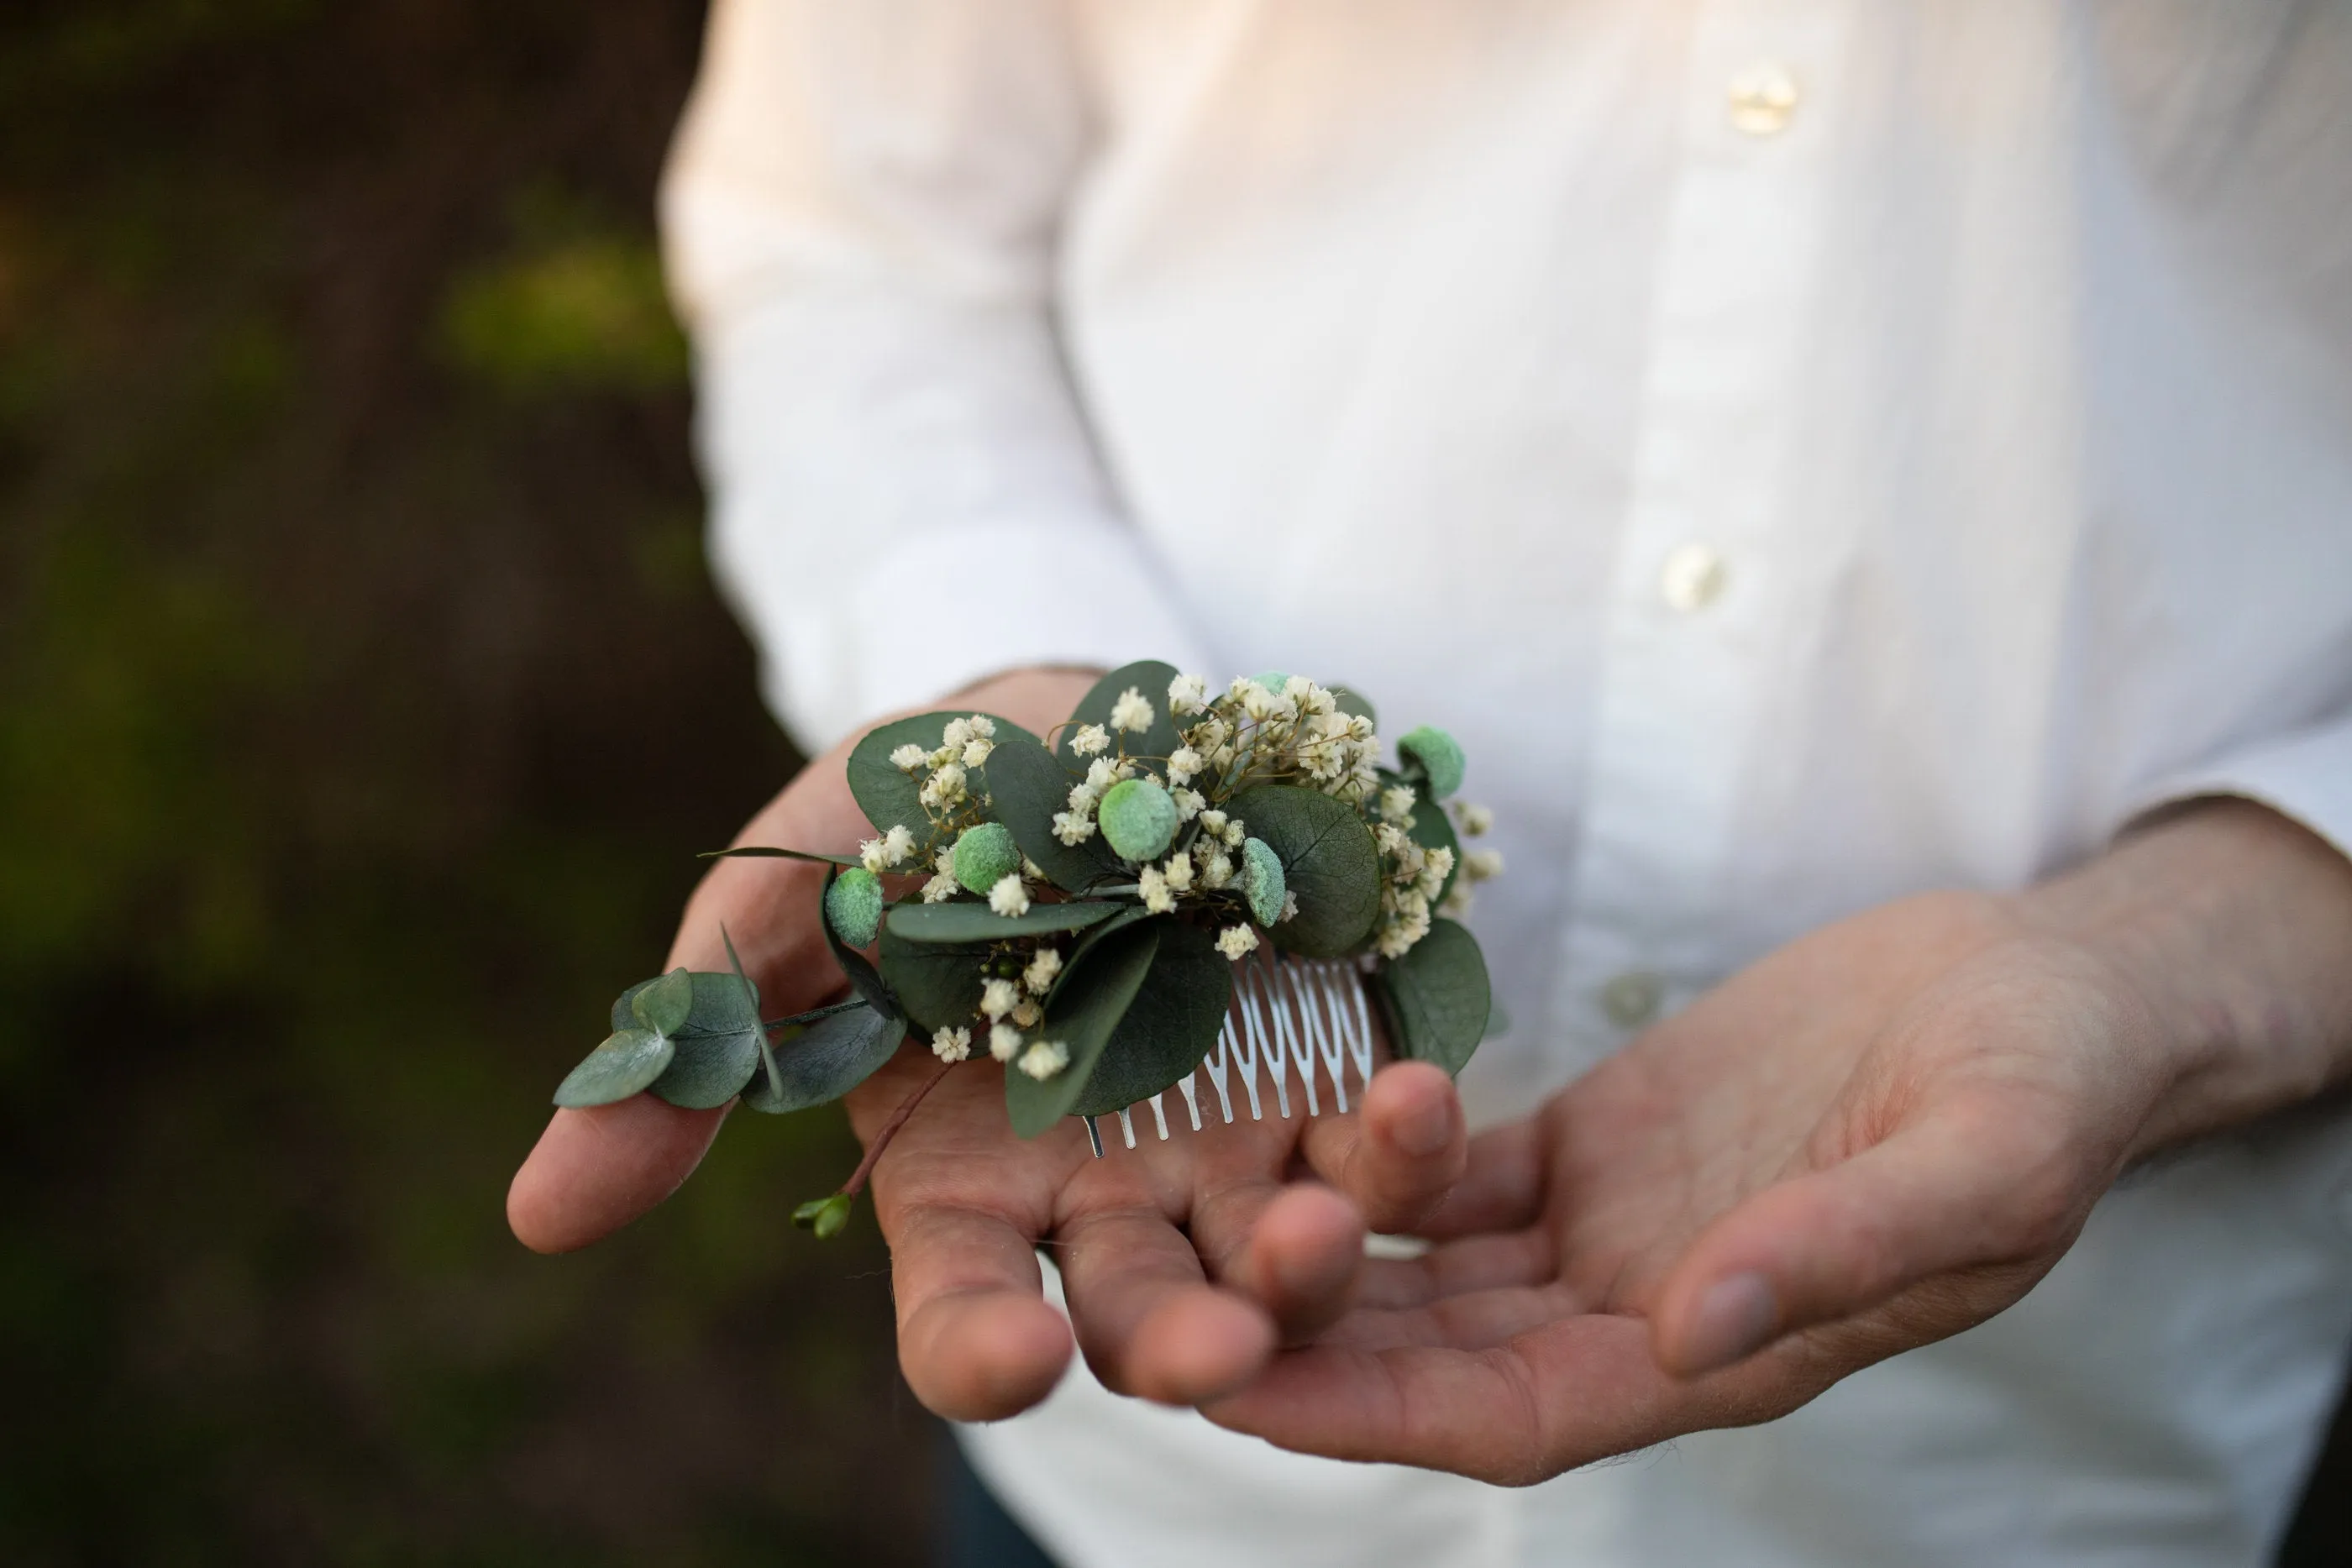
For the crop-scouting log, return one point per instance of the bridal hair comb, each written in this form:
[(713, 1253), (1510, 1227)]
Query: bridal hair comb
[(1168, 890)]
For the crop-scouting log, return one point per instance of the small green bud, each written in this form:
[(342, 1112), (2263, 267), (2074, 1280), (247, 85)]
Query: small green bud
[(826, 1215), (1263, 882), (1139, 818), (985, 856), (852, 906), (1438, 756)]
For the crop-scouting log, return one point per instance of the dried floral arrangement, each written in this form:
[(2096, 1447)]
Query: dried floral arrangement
[(1071, 906)]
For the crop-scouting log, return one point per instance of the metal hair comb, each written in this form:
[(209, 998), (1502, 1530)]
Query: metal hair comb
[(1286, 1012)]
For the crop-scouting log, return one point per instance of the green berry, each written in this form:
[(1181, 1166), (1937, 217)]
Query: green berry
[(1440, 757), (985, 856), (1139, 818), (852, 906), (1263, 882), (1273, 679)]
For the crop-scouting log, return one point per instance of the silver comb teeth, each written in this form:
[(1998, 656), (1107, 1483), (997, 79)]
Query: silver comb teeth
[(1287, 1013)]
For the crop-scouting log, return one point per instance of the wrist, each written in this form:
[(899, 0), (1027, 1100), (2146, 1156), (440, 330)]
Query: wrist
[(2222, 933)]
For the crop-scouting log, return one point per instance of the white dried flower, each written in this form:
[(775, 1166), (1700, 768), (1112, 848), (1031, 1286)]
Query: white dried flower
[(1290, 908), (1091, 740), (1039, 976), (1213, 822), (1186, 693), (1101, 774), (1189, 803), (1004, 1042), (1073, 827), (944, 788), (957, 731), (976, 751), (1476, 820), (1045, 1059), (908, 758), (1436, 865), (1217, 870), (998, 997), (1396, 804), (981, 725), (1233, 835), (952, 1044), (897, 845), (1479, 865), (1236, 941), (1008, 897), (1179, 872), (1182, 763), (941, 888), (1151, 886), (1028, 1015), (870, 855), (1130, 712), (1391, 840)]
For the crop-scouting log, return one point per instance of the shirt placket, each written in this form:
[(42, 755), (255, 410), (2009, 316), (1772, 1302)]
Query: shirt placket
[(1698, 597)]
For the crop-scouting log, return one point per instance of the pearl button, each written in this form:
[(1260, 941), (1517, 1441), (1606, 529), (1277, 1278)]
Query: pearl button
[(1693, 577), (1763, 97), (1630, 1000)]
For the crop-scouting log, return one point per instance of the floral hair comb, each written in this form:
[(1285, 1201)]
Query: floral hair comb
[(1101, 910)]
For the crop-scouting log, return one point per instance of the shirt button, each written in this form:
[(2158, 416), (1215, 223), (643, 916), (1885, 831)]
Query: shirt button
[(1630, 1000), (1763, 97), (1693, 577)]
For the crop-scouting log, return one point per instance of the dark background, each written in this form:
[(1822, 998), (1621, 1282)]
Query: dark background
[(362, 698)]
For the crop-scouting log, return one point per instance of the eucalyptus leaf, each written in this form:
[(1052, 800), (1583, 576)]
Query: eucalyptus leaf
[(1150, 678), (718, 1004), (1436, 998), (1328, 862), (1082, 1013), (624, 1064), (1028, 784), (891, 797), (1170, 1026), (964, 923), (935, 984), (861, 974), (709, 1070), (769, 851), (664, 1006), (827, 1060)]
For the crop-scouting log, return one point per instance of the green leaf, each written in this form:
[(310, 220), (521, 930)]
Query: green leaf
[(890, 798), (860, 974), (769, 852), (718, 1048), (1349, 701), (1433, 828), (752, 993), (1436, 997), (964, 923), (826, 1061), (1149, 677), (719, 1003), (1170, 1025), (1084, 1009), (622, 1066), (1328, 861), (935, 984), (1028, 784), (664, 1006)]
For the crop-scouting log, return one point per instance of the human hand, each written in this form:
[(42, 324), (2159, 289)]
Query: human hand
[(1184, 1263), (1874, 1138)]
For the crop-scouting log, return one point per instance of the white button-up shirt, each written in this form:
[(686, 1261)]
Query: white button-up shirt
[(1809, 451)]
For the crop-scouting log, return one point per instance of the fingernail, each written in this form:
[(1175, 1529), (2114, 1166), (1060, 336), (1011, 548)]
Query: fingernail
[(1424, 1129), (1735, 1318)]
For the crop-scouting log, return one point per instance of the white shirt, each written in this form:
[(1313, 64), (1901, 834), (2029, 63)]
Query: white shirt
[(1809, 451)]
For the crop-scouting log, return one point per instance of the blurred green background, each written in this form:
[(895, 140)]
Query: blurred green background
[(363, 698)]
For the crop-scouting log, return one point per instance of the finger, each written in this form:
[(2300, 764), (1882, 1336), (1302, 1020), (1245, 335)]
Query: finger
[(977, 1340), (1401, 1153), (1514, 1258), (1297, 1251), (1960, 1192), (593, 1171), (1501, 1187), (1146, 1318)]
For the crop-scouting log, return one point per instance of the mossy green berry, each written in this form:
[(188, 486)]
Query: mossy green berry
[(1438, 756), (1139, 818), (852, 906), (985, 856), (1263, 882)]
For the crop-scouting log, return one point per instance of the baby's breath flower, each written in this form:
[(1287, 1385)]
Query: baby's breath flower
[(1028, 1015), (1236, 941), (1213, 822), (939, 889), (944, 788), (1396, 804), (1073, 827), (982, 726), (1476, 820), (1004, 1042), (1390, 839), (1217, 870), (908, 758), (1233, 836), (1186, 693), (897, 845), (1039, 976), (1091, 740), (957, 731), (1045, 1059), (943, 859), (1179, 872), (1151, 886), (976, 751), (1008, 897), (870, 855), (1289, 908), (1189, 803), (1182, 763), (1480, 865), (1436, 865), (1130, 712), (1101, 774), (999, 996), (952, 1044)]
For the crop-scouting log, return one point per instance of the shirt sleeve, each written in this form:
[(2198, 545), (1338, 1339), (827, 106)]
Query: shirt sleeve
[(2305, 774), (860, 218)]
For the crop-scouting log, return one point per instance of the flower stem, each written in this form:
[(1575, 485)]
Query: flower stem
[(856, 1182)]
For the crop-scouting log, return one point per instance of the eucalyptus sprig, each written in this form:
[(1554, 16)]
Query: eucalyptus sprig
[(1086, 896)]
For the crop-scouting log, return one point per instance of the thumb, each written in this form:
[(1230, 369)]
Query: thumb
[(1964, 1189)]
